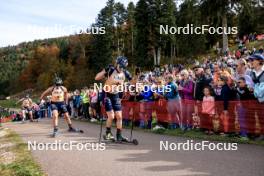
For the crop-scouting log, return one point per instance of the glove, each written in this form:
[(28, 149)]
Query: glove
[(128, 75), (108, 68)]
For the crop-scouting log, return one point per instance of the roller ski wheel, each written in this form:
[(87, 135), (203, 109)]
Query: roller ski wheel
[(135, 141)]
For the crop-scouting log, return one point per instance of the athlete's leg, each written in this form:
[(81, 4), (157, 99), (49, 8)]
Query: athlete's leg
[(116, 102), (68, 119), (118, 115), (30, 114), (23, 115), (110, 117), (55, 115), (63, 108)]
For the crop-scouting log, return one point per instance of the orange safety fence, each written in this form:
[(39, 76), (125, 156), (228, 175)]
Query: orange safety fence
[(241, 116)]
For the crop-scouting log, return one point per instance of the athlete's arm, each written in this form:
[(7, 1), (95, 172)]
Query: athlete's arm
[(65, 94), (100, 75), (30, 102), (46, 92), (20, 100)]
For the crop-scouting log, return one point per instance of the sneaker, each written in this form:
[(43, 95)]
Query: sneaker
[(93, 120), (55, 133), (109, 136), (120, 138), (158, 129)]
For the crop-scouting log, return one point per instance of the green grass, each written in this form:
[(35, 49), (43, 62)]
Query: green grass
[(24, 164), (9, 103), (197, 134), (234, 47)]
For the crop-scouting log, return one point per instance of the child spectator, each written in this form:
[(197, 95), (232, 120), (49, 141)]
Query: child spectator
[(208, 110), (94, 103)]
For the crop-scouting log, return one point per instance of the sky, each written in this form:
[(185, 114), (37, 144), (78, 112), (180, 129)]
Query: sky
[(27, 20)]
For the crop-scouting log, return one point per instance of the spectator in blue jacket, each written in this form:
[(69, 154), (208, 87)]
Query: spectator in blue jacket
[(76, 103), (174, 102)]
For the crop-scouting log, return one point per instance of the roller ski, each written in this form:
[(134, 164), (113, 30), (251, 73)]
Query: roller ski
[(55, 134), (119, 139), (75, 130)]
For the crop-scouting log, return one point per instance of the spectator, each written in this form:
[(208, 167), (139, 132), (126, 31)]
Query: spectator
[(257, 75), (85, 103), (223, 92), (186, 88), (200, 83), (76, 103), (208, 110), (243, 94), (94, 104), (174, 102)]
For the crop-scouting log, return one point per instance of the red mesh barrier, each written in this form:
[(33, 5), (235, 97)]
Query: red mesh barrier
[(241, 116)]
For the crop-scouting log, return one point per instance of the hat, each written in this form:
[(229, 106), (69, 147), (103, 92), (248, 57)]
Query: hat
[(256, 57), (122, 61)]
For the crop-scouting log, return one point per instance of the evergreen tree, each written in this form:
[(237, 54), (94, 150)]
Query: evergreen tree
[(129, 33), (102, 45), (142, 43)]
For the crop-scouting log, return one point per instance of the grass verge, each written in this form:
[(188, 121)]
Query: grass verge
[(197, 134), (21, 163), (9, 103)]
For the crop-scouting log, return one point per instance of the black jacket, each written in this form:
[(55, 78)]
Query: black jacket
[(224, 96), (200, 84), (244, 94)]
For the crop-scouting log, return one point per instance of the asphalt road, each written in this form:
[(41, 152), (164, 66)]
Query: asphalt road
[(146, 159)]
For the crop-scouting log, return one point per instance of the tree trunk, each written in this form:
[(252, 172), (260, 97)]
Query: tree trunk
[(155, 56), (171, 53), (158, 55), (118, 51), (132, 44), (224, 35)]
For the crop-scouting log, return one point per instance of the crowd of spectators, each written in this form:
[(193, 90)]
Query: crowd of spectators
[(237, 75)]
